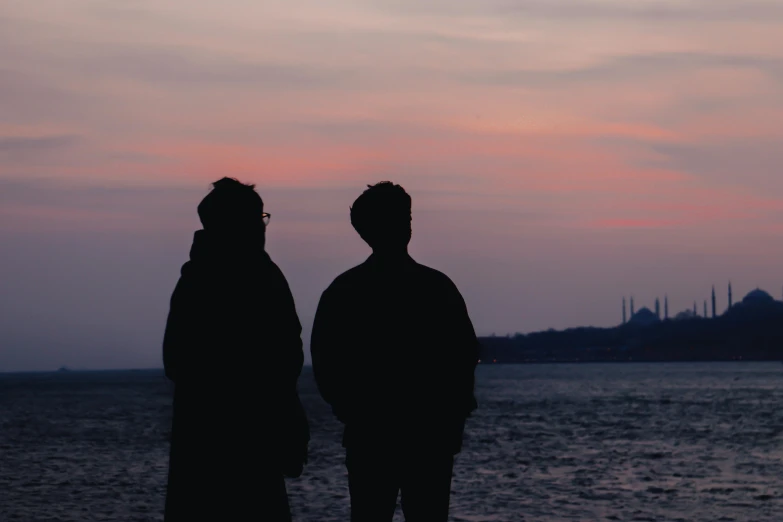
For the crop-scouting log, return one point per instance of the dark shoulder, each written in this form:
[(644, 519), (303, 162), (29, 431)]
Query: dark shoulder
[(189, 279), (433, 276), (274, 269), (440, 287), (438, 283), (274, 278), (348, 280)]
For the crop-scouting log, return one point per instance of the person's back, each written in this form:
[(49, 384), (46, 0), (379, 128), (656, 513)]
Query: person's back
[(234, 351), (394, 353)]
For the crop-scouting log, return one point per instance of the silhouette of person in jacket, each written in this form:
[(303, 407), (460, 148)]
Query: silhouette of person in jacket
[(394, 353), (233, 349)]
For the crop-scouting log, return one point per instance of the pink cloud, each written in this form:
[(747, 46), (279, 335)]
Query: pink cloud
[(633, 223)]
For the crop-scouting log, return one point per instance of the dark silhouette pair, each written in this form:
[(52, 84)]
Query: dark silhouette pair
[(393, 351)]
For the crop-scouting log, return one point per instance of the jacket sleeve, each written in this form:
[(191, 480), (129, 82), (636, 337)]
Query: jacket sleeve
[(325, 349), (465, 358), (289, 337)]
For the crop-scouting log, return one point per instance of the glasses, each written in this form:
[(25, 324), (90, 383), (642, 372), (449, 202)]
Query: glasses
[(265, 218)]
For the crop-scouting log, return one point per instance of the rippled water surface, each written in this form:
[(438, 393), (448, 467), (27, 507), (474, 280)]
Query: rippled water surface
[(690, 442)]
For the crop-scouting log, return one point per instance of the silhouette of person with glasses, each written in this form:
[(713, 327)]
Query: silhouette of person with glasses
[(233, 349), (394, 353)]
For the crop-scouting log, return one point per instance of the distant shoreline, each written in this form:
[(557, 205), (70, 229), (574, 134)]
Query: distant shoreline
[(70, 372), (488, 364), (652, 361)]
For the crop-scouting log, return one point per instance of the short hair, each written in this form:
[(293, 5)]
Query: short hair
[(231, 203), (379, 206)]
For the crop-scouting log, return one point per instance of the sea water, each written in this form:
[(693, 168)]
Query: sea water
[(690, 442)]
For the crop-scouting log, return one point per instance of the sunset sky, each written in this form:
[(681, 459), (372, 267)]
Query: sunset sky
[(561, 154)]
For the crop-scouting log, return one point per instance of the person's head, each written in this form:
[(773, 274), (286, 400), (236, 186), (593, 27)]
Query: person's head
[(232, 207), (382, 217)]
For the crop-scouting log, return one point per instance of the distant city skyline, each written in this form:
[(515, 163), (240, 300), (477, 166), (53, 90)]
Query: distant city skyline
[(714, 310)]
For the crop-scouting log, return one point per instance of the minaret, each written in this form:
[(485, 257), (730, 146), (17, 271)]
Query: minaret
[(658, 308), (731, 303), (666, 307), (633, 310), (714, 307), (695, 310), (625, 317), (705, 309)]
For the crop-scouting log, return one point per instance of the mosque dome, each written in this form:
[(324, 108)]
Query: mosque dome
[(685, 315), (758, 297), (644, 317)]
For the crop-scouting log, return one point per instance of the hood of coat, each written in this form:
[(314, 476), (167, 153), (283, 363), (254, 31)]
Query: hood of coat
[(226, 252)]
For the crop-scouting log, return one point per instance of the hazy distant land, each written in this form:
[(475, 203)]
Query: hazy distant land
[(751, 330)]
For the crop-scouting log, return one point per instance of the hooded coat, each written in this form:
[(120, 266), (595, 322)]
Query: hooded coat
[(233, 349)]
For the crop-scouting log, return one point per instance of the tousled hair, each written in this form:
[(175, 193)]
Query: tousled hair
[(231, 204), (382, 205)]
